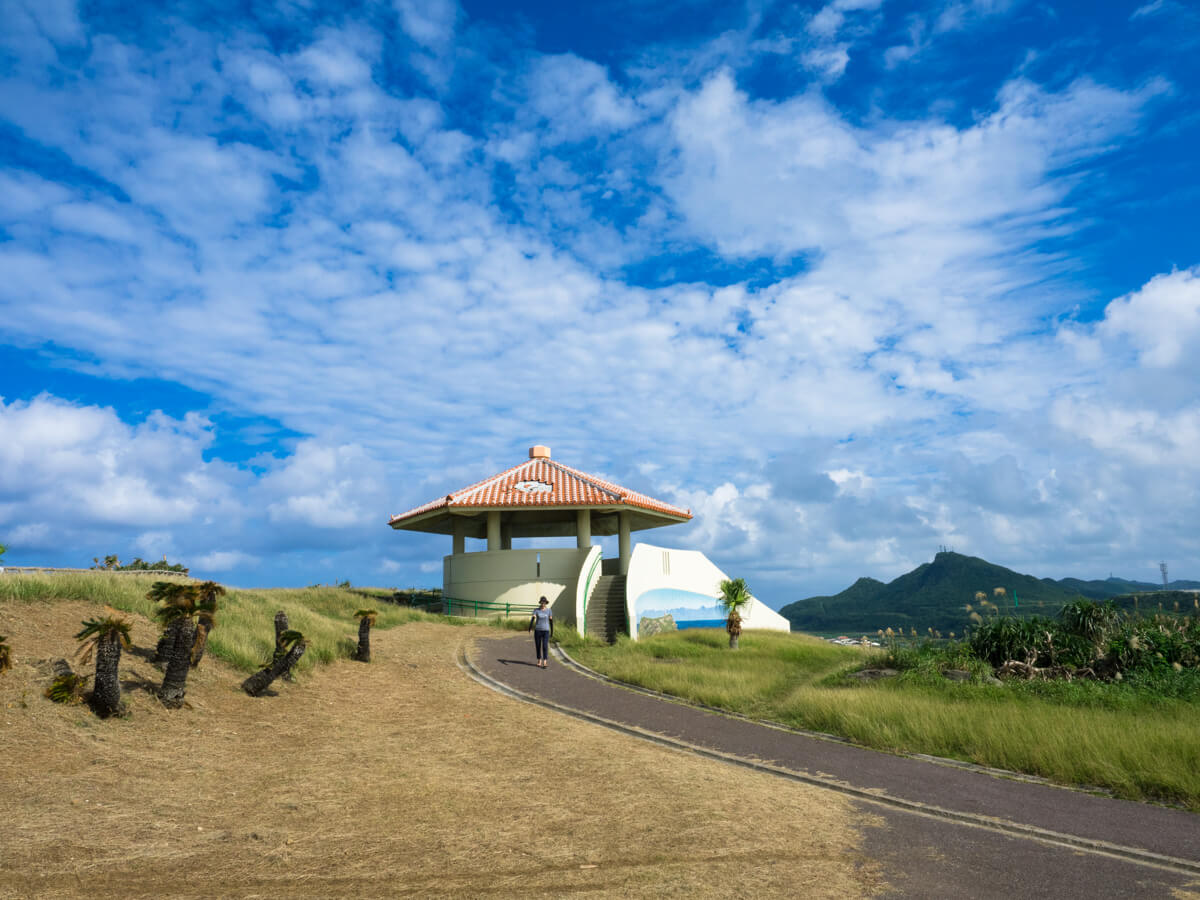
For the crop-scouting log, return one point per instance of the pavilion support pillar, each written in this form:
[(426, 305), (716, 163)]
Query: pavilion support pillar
[(623, 541), (505, 537), (493, 529), (583, 529), (460, 536)]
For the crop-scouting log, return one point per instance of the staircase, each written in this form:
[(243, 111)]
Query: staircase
[(606, 608)]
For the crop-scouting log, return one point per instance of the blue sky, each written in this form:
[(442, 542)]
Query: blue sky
[(851, 280)]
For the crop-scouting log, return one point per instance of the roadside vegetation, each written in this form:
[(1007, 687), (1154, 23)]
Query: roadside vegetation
[(245, 636), (1137, 736)]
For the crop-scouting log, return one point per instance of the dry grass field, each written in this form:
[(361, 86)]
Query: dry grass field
[(401, 777)]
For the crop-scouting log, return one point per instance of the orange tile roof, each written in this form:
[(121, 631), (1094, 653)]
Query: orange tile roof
[(542, 482)]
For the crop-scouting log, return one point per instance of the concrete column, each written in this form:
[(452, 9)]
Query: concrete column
[(583, 528), (506, 537), (493, 525), (460, 536), (623, 541)]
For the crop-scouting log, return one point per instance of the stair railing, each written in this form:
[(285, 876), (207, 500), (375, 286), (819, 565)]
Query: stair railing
[(597, 557)]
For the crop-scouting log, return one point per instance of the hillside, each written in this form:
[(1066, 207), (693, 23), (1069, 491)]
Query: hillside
[(935, 595)]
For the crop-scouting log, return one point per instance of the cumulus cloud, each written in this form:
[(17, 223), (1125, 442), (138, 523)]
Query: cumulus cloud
[(76, 481), (1161, 319)]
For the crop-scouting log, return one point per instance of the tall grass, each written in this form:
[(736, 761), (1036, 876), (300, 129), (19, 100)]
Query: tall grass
[(245, 631), (1135, 740)]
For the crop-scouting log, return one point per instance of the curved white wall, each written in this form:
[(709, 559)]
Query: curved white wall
[(686, 584), (589, 574)]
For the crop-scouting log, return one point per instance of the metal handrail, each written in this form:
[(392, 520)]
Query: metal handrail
[(447, 605), (51, 570)]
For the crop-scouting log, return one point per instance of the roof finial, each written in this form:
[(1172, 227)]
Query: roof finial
[(539, 452)]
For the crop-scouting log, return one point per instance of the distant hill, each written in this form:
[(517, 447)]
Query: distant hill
[(935, 595), (1115, 587)]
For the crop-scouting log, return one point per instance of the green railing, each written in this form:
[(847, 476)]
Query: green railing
[(587, 587), (453, 606)]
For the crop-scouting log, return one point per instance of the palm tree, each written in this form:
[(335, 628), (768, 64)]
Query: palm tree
[(166, 592), (5, 654), (366, 618), (178, 615), (281, 628), (734, 595), (261, 680), (206, 617), (105, 637)]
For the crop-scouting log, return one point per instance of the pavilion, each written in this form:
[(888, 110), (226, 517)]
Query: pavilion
[(541, 498)]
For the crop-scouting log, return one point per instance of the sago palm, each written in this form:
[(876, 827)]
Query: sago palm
[(166, 593), (257, 683), (104, 638), (366, 619), (734, 595), (178, 616), (206, 617)]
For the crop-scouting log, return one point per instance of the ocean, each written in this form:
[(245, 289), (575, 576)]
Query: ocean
[(700, 623)]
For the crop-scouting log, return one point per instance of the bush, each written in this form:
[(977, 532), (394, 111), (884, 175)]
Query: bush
[(113, 564)]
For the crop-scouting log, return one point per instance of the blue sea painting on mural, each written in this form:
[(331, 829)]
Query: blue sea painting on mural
[(683, 606), (699, 623)]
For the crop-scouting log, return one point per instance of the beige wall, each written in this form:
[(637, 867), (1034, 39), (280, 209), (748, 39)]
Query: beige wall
[(511, 576)]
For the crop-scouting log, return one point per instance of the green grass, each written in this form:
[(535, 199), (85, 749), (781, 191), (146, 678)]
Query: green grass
[(1140, 740), (245, 632)]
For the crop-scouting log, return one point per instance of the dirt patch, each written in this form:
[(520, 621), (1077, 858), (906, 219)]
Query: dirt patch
[(398, 777)]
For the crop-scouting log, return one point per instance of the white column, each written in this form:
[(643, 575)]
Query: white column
[(583, 528), (460, 535), (493, 529), (623, 540)]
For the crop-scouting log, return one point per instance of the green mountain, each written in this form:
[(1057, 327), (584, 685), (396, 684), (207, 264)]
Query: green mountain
[(1115, 587), (936, 594)]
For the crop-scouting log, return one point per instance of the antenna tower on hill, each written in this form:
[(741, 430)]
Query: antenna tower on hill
[(1162, 567)]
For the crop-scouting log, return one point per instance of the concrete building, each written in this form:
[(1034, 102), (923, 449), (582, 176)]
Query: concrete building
[(542, 498)]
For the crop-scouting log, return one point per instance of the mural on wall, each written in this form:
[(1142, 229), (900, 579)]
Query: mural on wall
[(663, 609)]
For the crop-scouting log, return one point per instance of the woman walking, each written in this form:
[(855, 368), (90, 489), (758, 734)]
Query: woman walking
[(542, 626)]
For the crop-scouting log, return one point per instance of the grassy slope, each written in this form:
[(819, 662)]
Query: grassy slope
[(1134, 744), (245, 632)]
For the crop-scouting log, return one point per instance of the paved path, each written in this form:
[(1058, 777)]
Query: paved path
[(949, 831)]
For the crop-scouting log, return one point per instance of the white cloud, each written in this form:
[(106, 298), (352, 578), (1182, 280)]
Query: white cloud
[(1161, 319), (829, 20), (829, 61), (223, 561), (1150, 9), (77, 478), (428, 22)]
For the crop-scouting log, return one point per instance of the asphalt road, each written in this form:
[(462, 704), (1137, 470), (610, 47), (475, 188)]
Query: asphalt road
[(947, 831)]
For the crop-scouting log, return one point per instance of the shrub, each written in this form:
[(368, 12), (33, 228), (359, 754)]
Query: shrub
[(1026, 640), (113, 564)]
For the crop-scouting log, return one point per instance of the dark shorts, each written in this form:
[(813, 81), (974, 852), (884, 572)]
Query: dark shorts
[(541, 643)]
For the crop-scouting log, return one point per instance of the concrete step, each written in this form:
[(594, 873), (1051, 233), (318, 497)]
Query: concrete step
[(606, 607)]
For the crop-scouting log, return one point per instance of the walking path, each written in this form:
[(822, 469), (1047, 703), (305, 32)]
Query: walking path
[(929, 806)]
